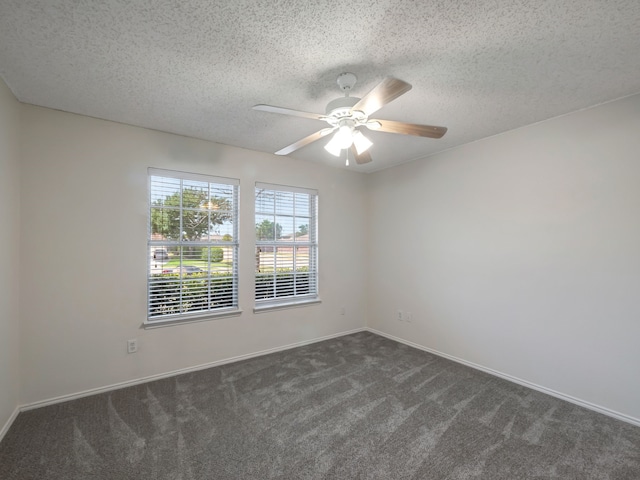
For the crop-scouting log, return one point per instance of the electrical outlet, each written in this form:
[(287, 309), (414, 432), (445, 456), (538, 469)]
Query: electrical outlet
[(343, 310), (408, 317), (132, 345), (399, 315)]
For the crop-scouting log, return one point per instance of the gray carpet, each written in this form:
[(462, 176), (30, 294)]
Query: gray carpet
[(356, 407)]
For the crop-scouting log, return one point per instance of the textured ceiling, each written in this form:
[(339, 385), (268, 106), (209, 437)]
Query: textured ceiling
[(195, 67)]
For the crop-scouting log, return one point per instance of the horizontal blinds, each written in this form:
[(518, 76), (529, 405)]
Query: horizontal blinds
[(192, 211), (286, 243), (192, 242), (285, 188), (194, 287), (159, 172)]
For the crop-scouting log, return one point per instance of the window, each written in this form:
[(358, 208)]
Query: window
[(193, 246), (286, 245)]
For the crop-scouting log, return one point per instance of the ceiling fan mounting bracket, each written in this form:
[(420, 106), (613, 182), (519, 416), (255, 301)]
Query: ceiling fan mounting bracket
[(346, 81)]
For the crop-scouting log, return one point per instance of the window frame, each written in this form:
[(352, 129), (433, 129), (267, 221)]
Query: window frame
[(278, 302), (153, 321)]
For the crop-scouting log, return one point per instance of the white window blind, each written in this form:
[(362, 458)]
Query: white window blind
[(286, 244), (193, 245)]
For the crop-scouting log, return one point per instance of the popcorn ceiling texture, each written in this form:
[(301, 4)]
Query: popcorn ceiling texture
[(195, 67)]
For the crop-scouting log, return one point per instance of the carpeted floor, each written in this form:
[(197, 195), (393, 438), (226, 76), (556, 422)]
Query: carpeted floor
[(356, 407)]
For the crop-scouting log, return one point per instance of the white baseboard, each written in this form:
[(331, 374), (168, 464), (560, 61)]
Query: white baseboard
[(9, 422), (151, 378), (129, 383), (519, 381)]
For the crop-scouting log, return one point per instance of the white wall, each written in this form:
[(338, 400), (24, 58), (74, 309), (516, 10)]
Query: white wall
[(84, 254), (9, 251), (521, 253)]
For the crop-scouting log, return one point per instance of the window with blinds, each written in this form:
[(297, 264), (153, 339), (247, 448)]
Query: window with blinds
[(286, 245), (193, 246)]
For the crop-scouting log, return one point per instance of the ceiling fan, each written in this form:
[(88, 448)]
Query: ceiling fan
[(345, 116)]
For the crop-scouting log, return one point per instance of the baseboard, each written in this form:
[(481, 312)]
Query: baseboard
[(9, 422), (151, 378), (519, 381)]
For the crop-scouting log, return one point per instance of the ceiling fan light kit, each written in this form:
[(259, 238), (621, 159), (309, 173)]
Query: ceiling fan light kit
[(346, 114)]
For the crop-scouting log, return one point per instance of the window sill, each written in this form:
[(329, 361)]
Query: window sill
[(150, 324), (285, 305)]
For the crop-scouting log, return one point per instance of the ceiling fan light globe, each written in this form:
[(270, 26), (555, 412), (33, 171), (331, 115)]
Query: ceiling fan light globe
[(333, 147), (344, 136), (361, 142)]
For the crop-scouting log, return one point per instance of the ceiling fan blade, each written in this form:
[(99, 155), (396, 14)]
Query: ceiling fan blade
[(288, 111), (305, 141), (406, 128), (364, 157), (386, 91)]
